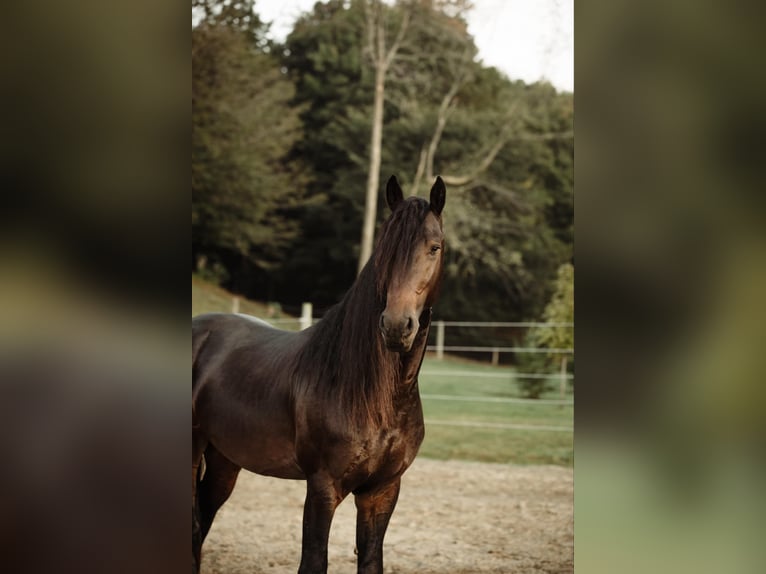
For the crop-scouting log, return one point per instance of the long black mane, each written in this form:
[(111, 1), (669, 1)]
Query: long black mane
[(346, 361)]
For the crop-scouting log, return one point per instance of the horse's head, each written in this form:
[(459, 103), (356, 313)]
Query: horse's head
[(409, 262)]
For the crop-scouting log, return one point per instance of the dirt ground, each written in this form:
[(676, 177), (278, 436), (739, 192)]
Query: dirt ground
[(452, 518)]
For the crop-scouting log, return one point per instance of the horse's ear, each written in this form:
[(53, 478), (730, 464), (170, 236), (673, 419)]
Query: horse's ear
[(438, 196), (394, 195)]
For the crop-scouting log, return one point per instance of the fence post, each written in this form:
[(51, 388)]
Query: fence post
[(440, 340), (495, 357), (306, 314), (235, 304), (563, 383)]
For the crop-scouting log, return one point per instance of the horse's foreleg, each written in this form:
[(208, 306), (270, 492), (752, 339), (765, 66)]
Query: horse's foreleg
[(373, 511), (215, 487), (322, 498)]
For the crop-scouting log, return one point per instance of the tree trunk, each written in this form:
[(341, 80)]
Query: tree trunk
[(381, 61), (373, 178)]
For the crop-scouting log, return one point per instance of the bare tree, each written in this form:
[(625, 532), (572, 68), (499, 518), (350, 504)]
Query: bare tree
[(457, 64), (508, 132), (510, 123), (381, 55)]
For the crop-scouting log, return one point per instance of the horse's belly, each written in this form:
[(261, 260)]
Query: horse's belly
[(255, 432), (273, 459), (265, 447)]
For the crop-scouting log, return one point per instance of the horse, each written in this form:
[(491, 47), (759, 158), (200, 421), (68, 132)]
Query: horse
[(337, 404)]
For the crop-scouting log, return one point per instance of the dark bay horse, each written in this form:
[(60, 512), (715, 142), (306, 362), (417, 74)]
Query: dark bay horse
[(336, 405)]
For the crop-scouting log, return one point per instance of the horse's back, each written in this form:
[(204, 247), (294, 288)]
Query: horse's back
[(211, 334), (241, 393), (208, 322), (228, 329), (218, 336)]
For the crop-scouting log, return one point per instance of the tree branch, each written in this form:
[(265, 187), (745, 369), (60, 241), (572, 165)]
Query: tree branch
[(460, 180), (446, 106), (399, 37), (420, 170), (370, 18)]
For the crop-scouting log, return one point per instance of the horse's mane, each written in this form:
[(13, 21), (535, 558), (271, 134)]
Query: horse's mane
[(345, 359)]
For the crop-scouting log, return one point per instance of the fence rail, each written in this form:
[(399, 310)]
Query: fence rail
[(534, 402), (498, 375), (441, 347), (509, 426), (501, 324)]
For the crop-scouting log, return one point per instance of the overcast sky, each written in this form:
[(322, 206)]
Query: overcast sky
[(527, 39)]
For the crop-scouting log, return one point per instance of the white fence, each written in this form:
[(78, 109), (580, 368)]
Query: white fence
[(441, 347), (306, 320), (441, 326)]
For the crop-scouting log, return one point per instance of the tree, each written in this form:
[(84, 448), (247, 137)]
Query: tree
[(381, 56), (234, 15), (242, 129), (493, 143), (560, 312), (323, 58), (505, 158), (506, 146)]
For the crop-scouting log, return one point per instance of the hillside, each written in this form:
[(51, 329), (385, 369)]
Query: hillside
[(210, 298)]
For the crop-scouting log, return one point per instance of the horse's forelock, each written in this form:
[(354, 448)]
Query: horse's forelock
[(395, 245)]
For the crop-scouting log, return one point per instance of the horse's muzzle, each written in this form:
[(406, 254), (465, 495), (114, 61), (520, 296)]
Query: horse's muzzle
[(398, 333)]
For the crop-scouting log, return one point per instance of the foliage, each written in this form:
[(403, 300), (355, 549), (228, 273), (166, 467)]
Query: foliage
[(560, 309), (281, 149), (234, 15), (535, 364), (242, 127)]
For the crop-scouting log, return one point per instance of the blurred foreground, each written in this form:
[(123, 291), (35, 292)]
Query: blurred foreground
[(93, 416), (671, 246), (93, 429)]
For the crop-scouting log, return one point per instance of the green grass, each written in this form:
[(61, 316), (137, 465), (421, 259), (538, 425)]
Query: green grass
[(506, 445), (498, 445), (491, 387), (503, 445), (209, 298)]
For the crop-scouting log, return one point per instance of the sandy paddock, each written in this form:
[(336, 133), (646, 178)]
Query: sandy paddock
[(452, 517)]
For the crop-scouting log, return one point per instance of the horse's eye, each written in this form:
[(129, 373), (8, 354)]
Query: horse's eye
[(435, 249)]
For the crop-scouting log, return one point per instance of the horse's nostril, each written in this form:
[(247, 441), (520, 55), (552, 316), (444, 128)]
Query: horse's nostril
[(382, 323), (409, 325)]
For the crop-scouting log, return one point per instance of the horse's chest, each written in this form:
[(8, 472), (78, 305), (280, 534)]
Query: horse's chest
[(381, 459)]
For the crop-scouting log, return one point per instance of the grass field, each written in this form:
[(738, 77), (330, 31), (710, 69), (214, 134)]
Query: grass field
[(496, 444), (456, 378), (209, 298)]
